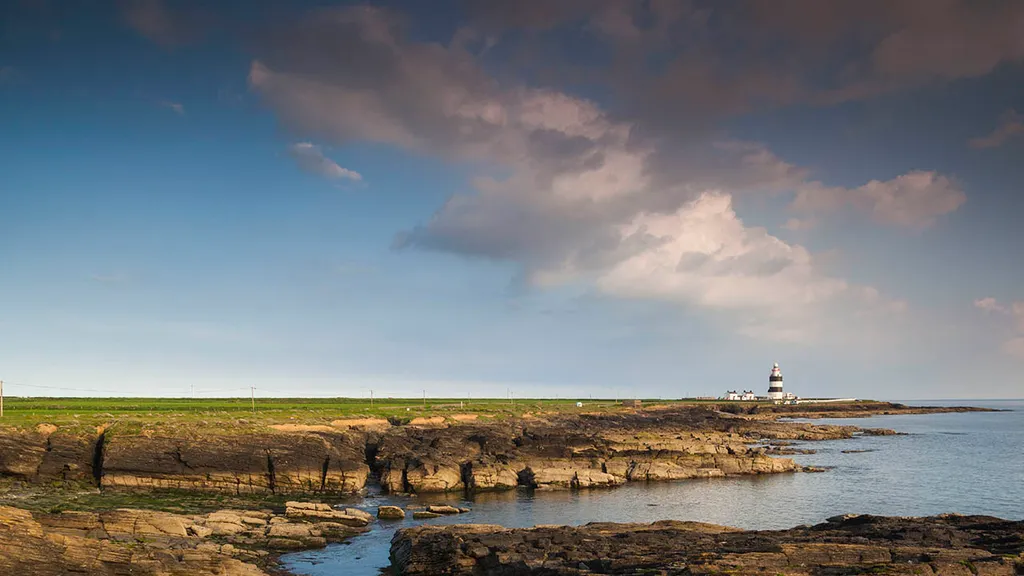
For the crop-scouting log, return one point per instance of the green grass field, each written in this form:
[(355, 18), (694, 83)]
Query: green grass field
[(71, 412)]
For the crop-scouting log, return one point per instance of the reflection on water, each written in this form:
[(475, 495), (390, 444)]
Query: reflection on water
[(969, 463)]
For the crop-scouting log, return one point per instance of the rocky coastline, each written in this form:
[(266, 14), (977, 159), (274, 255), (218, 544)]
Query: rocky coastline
[(330, 461), (429, 455), (946, 545), (147, 542)]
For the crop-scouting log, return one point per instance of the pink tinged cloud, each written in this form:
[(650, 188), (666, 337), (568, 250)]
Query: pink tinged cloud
[(1011, 125), (913, 200), (587, 197), (1014, 312)]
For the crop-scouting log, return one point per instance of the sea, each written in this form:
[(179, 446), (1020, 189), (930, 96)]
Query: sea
[(964, 462)]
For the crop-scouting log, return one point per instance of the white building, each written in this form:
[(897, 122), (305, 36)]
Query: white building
[(732, 395), (748, 395)]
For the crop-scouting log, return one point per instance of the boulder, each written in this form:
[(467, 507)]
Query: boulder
[(301, 530), (442, 509), (390, 513)]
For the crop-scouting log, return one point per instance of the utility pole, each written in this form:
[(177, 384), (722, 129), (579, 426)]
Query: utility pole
[(371, 398), (192, 389), (1, 398), (424, 398), (252, 394)]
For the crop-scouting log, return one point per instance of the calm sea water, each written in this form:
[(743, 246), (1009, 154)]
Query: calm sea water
[(971, 463)]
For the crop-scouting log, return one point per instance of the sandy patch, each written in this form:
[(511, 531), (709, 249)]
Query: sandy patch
[(302, 428), (432, 421), (464, 417), (361, 423), (46, 429)]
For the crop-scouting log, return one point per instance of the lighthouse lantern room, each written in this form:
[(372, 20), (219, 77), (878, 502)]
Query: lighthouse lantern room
[(775, 384)]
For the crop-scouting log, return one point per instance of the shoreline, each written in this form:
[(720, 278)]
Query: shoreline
[(852, 544), (560, 451)]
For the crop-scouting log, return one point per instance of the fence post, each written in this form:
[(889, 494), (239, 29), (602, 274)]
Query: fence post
[(252, 392)]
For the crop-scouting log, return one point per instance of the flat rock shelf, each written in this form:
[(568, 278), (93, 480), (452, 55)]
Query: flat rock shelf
[(947, 545)]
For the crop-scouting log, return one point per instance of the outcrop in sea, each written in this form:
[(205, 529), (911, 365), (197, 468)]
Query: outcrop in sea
[(943, 545)]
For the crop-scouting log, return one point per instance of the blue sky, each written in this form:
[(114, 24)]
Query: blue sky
[(608, 199)]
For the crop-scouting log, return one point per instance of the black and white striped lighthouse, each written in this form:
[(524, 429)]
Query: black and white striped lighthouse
[(775, 384)]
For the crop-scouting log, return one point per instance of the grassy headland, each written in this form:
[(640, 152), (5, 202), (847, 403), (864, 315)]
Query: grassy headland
[(78, 411)]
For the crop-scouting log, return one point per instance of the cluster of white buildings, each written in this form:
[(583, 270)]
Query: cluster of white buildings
[(775, 392), (746, 395)]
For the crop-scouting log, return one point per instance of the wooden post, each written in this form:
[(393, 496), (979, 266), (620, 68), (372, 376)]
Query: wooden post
[(424, 398), (252, 392), (371, 398)]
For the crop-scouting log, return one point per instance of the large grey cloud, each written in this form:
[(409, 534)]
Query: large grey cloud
[(583, 193), (677, 63)]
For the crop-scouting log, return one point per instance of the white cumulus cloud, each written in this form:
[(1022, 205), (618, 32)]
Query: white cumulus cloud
[(310, 158)]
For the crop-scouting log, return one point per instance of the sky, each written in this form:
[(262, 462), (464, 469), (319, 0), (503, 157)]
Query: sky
[(469, 198)]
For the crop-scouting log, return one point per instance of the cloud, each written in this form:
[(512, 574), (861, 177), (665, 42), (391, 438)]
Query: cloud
[(1011, 124), (704, 255), (163, 25), (677, 64), (990, 305), (1014, 344), (311, 159), (798, 224), (178, 108), (577, 194), (913, 200), (1014, 347)]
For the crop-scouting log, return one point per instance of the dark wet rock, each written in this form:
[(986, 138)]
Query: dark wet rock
[(303, 462), (846, 545)]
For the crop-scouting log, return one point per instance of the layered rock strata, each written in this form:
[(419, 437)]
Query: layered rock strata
[(944, 545), (542, 451), (253, 463), (149, 543), (598, 450)]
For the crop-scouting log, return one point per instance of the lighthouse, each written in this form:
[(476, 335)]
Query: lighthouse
[(775, 384)]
